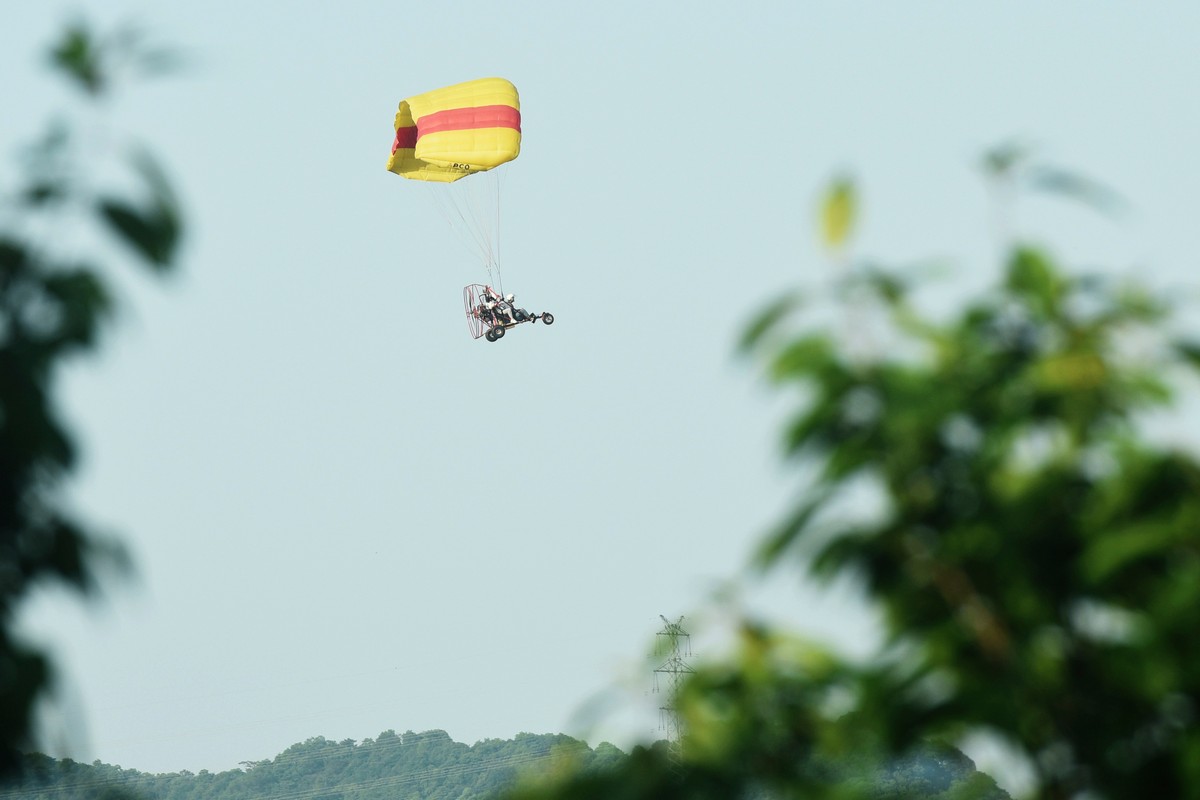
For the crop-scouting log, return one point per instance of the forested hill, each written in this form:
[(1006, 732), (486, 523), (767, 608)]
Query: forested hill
[(408, 766), (431, 766)]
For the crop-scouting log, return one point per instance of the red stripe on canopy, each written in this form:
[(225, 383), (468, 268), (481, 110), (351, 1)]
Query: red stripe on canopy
[(462, 119)]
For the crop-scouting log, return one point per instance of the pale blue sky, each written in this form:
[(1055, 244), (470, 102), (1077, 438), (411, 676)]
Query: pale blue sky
[(289, 434)]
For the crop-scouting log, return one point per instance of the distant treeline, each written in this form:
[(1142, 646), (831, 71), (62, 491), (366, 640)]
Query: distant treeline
[(408, 766), (431, 766)]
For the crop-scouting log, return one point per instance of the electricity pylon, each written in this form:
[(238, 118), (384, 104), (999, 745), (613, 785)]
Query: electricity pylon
[(676, 643)]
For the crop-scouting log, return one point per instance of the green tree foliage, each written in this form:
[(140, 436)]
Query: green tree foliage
[(1034, 554), (408, 766), (54, 303)]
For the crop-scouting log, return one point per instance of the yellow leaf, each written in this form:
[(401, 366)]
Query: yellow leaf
[(1064, 372), (838, 212)]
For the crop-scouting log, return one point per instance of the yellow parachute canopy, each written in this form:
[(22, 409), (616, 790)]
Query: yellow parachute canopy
[(453, 132)]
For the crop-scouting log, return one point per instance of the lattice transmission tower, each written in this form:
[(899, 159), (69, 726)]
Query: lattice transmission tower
[(676, 644)]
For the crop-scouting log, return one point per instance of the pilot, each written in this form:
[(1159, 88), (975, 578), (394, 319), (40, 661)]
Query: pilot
[(518, 314)]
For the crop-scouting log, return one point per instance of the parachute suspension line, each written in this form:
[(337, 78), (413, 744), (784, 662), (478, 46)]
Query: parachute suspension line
[(454, 204), (471, 207), (499, 181), (484, 197), (494, 279), (483, 208), (457, 203)]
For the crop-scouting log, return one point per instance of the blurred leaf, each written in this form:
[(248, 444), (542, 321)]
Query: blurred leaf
[(1076, 187), (94, 63), (1188, 351), (1145, 388), (129, 43), (768, 319), (1071, 372), (139, 229), (27, 674), (13, 258), (1115, 550), (1033, 276), (44, 193), (1004, 160), (84, 302), (784, 536), (78, 55), (890, 287), (155, 228), (1134, 303), (47, 159), (801, 357), (161, 61), (838, 212)]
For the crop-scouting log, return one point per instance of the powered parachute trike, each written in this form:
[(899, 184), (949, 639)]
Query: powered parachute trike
[(453, 139), (490, 314)]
